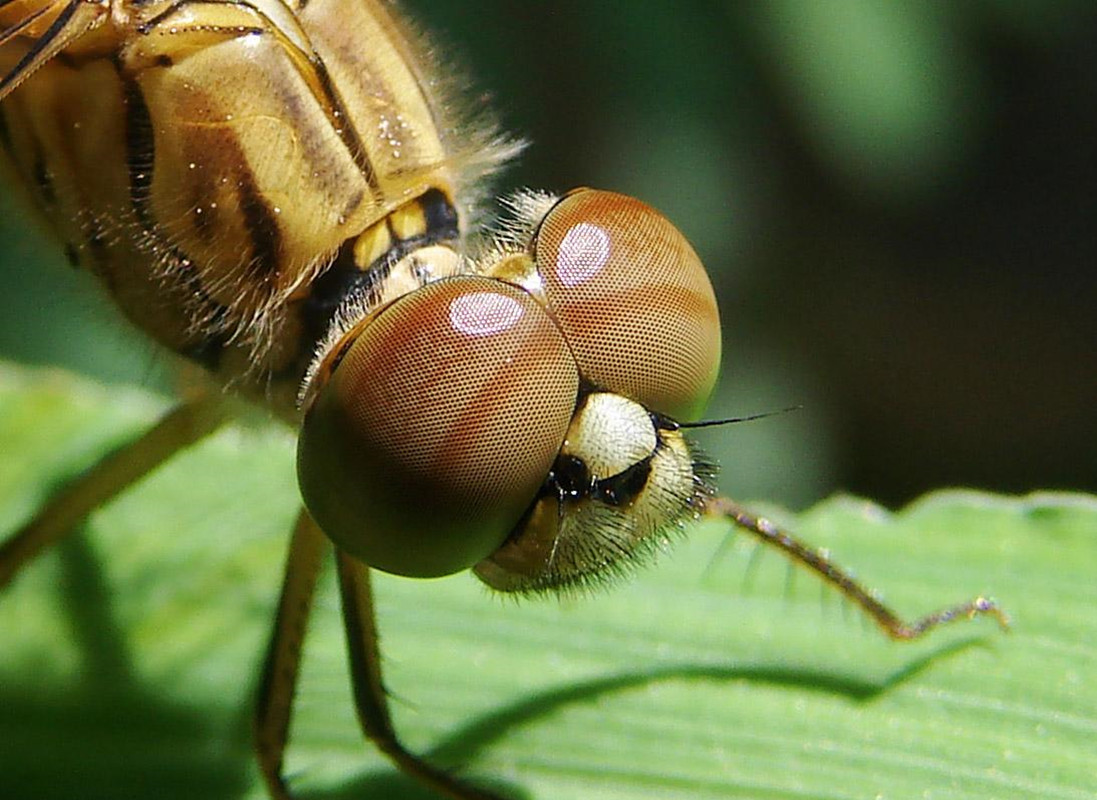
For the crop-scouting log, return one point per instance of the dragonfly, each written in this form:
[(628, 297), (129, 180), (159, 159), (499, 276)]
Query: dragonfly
[(282, 193)]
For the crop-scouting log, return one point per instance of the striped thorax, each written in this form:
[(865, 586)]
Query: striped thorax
[(234, 171)]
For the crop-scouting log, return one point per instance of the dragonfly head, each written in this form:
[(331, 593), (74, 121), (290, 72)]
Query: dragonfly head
[(519, 418)]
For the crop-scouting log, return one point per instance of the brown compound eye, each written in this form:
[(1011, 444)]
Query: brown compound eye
[(633, 300), (437, 428)]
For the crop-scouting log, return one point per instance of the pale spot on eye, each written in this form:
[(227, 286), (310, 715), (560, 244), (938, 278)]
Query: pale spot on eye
[(484, 313), (584, 250)]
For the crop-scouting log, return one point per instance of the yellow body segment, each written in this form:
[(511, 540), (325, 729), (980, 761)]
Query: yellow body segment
[(211, 161)]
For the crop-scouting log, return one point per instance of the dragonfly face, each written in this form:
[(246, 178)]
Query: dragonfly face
[(272, 190), (593, 318)]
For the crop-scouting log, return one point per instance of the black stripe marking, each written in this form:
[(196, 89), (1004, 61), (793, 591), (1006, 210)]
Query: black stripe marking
[(345, 277), (262, 228), (345, 129), (570, 480), (441, 216), (140, 150), (40, 44), (148, 25), (621, 490), (326, 294)]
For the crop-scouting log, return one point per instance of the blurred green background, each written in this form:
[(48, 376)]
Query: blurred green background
[(896, 201)]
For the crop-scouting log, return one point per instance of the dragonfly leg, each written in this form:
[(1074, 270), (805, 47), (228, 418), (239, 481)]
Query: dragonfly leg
[(115, 472), (370, 697), (278, 683), (833, 575)]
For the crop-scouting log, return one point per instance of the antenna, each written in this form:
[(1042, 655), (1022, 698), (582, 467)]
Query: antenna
[(711, 423)]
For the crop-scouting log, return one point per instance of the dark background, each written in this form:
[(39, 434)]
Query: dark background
[(896, 202)]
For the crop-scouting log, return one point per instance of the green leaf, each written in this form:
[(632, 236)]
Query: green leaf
[(128, 654)]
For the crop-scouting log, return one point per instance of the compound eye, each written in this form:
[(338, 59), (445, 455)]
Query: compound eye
[(633, 300), (436, 429)]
